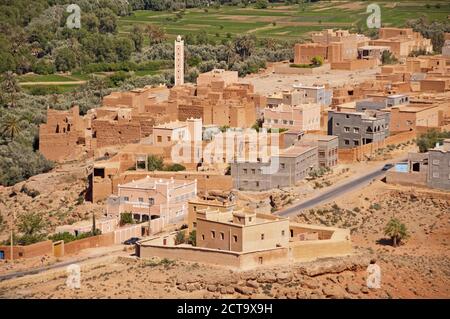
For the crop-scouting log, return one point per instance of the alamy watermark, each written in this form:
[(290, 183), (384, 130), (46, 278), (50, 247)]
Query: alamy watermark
[(374, 20), (74, 19), (73, 276)]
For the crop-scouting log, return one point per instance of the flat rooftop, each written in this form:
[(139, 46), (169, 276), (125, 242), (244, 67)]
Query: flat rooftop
[(295, 150), (171, 125), (151, 182)]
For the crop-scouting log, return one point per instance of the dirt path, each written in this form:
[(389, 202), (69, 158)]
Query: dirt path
[(53, 83)]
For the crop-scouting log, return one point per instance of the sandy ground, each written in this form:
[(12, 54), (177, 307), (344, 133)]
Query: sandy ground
[(267, 83)]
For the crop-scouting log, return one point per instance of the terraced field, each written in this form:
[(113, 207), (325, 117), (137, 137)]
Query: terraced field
[(281, 21)]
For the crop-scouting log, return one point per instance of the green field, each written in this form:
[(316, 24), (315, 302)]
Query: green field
[(282, 21)]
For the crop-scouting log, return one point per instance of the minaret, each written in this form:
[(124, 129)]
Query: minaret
[(179, 61)]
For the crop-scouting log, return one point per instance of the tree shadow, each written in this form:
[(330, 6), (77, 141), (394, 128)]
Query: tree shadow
[(384, 242)]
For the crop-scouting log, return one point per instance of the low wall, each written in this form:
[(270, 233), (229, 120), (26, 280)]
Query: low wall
[(400, 178), (349, 155), (313, 249), (287, 69), (34, 250), (90, 242), (354, 65), (125, 233)]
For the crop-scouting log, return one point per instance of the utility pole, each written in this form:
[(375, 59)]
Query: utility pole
[(12, 238)]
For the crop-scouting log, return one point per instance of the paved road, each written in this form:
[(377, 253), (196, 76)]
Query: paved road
[(337, 191), (57, 265)]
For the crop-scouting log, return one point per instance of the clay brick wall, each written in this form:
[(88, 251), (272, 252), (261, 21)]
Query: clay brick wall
[(34, 250), (90, 242)]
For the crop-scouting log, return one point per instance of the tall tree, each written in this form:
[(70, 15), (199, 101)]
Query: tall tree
[(155, 33), (11, 127), (244, 45), (396, 231), (11, 86), (137, 35)]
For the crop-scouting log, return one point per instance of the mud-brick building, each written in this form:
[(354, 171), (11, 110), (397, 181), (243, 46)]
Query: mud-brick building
[(62, 135)]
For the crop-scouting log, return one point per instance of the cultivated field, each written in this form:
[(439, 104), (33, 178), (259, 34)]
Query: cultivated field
[(281, 21)]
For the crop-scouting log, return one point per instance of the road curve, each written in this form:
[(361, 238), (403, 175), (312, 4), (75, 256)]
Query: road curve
[(333, 193)]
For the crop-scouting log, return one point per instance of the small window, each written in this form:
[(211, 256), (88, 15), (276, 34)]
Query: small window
[(194, 224), (151, 200), (356, 130), (355, 142), (141, 200), (203, 237), (126, 198), (337, 123), (282, 233), (235, 238), (346, 129), (262, 236), (169, 138), (159, 138), (245, 171), (347, 142), (250, 219), (260, 260), (222, 236), (213, 234), (253, 171), (283, 165)]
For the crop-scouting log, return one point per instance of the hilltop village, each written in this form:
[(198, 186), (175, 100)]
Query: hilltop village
[(213, 172)]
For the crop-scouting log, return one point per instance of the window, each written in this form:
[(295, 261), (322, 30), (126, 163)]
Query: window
[(355, 142), (260, 260), (257, 184), (141, 200), (347, 142), (253, 171), (222, 236), (356, 130), (249, 219), (126, 198), (213, 234), (245, 171), (283, 165), (151, 201), (337, 124), (203, 237), (235, 238), (194, 224), (346, 129), (169, 138), (282, 233), (435, 162), (291, 122), (159, 138), (435, 174), (262, 236)]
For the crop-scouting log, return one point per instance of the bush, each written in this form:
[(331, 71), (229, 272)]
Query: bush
[(193, 238), (126, 218), (66, 237), (175, 168), (180, 238)]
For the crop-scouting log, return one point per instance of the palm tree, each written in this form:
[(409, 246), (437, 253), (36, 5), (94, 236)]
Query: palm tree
[(11, 127), (396, 231), (10, 86)]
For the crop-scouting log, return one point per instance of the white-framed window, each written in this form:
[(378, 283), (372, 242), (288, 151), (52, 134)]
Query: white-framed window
[(346, 129), (435, 174)]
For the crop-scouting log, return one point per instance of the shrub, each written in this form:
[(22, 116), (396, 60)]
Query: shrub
[(193, 238), (126, 218), (180, 238)]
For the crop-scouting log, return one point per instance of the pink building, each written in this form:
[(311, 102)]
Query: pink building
[(303, 117), (164, 199)]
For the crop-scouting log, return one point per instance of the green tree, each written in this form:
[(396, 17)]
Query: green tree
[(244, 45), (180, 238), (155, 33), (317, 60), (396, 231), (137, 36), (32, 227), (11, 87), (126, 218), (155, 163), (124, 48), (65, 59), (11, 126), (193, 238), (261, 4)]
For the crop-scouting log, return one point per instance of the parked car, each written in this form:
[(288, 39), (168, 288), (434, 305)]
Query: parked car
[(387, 167), (131, 241)]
